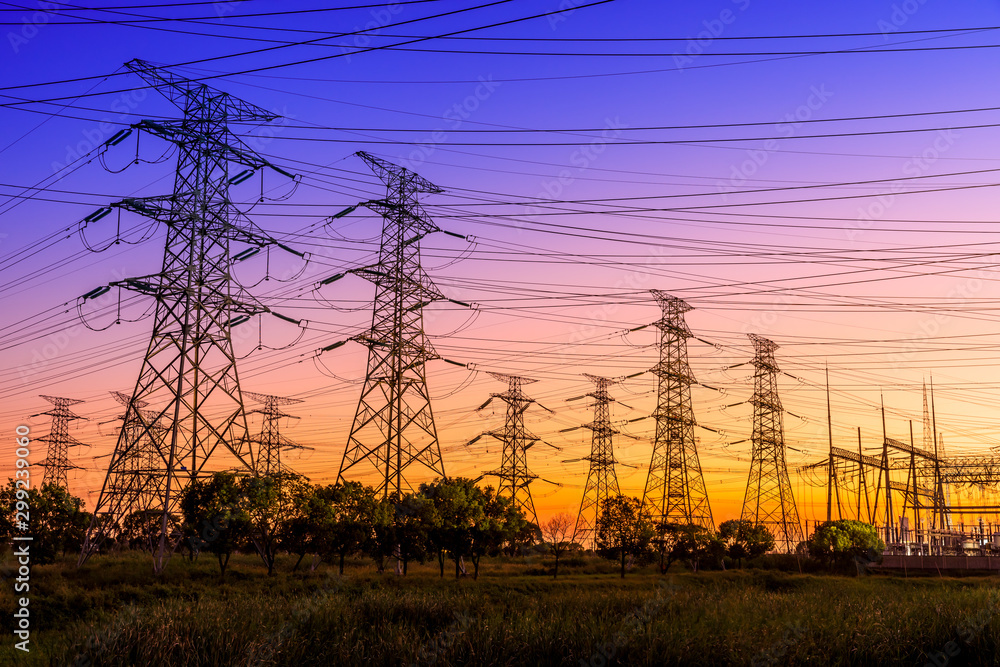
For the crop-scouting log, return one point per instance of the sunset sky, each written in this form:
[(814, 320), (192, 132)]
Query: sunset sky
[(823, 175)]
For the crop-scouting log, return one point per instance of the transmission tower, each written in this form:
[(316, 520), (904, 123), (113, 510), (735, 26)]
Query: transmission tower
[(675, 488), (188, 375), (137, 481), (602, 483), (769, 498), (56, 463), (270, 441), (145, 430), (928, 425), (393, 426), (514, 475)]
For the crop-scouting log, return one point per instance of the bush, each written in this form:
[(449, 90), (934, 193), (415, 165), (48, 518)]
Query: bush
[(844, 545)]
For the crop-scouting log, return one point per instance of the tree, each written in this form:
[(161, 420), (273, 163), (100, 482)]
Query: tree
[(56, 519), (214, 518), (500, 524), (345, 527), (413, 517), (269, 501), (687, 542), (557, 533), (845, 542), (523, 536), (457, 506), (381, 543), (745, 539), (140, 530), (623, 530), (298, 532)]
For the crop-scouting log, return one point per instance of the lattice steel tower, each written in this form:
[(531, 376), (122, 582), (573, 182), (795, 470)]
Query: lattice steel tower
[(136, 481), (188, 376), (271, 441), (393, 427), (514, 475), (769, 498), (56, 463), (602, 483), (675, 488)]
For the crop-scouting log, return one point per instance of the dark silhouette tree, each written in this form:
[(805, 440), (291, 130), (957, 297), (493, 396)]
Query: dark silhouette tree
[(623, 530), (214, 518), (745, 539), (557, 534)]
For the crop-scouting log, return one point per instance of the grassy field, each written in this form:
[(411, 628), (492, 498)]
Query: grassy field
[(115, 611)]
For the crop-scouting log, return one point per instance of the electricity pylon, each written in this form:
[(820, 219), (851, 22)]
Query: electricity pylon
[(769, 498), (137, 482), (56, 463), (393, 426), (189, 372), (513, 473), (602, 482), (675, 488), (270, 441)]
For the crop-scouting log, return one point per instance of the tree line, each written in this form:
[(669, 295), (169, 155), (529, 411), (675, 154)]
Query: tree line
[(448, 520)]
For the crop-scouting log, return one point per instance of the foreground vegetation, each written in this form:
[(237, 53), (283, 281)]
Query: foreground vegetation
[(115, 611)]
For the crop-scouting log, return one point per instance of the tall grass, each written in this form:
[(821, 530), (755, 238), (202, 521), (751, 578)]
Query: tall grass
[(116, 612)]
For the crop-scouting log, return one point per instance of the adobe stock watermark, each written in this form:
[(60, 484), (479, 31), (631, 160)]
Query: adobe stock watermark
[(636, 621), (263, 135), (453, 117), (435, 648), (564, 9), (301, 612), (380, 18), (900, 15), (31, 25), (776, 654), (582, 159), (21, 542), (97, 642), (931, 326), (55, 344), (968, 631), (714, 28), (766, 320), (637, 279), (786, 127), (95, 136), (916, 165), (223, 9)]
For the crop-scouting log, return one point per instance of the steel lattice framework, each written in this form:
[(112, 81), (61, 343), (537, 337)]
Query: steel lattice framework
[(393, 426), (138, 481), (56, 464), (769, 498), (188, 374), (270, 441), (602, 482), (513, 473), (675, 487)]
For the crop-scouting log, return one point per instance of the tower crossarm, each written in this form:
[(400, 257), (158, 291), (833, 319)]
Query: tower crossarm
[(909, 449), (417, 287), (180, 131), (978, 470), (397, 177), (159, 286), (173, 210), (902, 486), (848, 455), (180, 92)]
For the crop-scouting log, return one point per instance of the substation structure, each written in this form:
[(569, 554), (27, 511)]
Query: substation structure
[(921, 503)]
